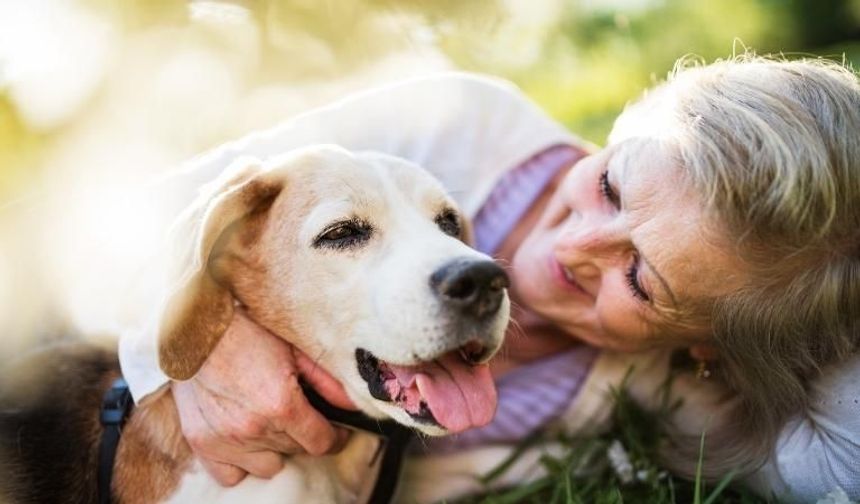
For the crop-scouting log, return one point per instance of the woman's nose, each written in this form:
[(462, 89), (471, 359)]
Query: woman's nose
[(591, 242)]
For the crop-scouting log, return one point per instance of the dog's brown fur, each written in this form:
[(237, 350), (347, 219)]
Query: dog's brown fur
[(152, 454), (50, 432), (49, 423)]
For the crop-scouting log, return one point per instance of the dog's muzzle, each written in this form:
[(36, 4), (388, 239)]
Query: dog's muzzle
[(452, 388)]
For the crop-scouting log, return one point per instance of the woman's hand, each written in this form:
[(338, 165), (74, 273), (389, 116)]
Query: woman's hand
[(245, 408)]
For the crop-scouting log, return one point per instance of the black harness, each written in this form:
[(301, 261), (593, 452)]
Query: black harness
[(395, 440), (117, 406)]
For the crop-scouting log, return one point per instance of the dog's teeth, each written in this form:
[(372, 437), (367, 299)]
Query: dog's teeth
[(568, 275)]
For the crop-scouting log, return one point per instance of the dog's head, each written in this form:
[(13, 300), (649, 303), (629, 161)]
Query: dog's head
[(358, 259)]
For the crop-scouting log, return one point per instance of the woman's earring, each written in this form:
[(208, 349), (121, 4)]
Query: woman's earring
[(703, 354), (702, 371)]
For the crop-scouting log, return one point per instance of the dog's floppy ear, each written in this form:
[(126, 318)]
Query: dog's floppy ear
[(199, 309)]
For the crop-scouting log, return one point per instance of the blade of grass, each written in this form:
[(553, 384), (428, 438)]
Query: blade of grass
[(519, 494), (699, 486), (568, 487), (556, 494), (724, 482), (508, 462), (672, 490)]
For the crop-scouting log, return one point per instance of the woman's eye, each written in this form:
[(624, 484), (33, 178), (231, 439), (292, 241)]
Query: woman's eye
[(344, 234), (607, 191), (632, 276), (449, 223)]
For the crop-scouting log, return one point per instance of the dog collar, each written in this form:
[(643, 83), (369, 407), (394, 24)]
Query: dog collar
[(395, 438), (116, 407)]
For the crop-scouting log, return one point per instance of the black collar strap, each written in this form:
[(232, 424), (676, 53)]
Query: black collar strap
[(396, 438), (116, 407)]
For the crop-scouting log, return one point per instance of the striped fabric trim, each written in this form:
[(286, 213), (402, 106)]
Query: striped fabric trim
[(532, 395), (514, 194)]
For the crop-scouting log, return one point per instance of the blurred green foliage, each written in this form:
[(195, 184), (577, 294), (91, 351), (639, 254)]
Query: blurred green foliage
[(582, 61), (597, 60)]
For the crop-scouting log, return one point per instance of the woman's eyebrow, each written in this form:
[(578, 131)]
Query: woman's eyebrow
[(644, 259), (660, 278)]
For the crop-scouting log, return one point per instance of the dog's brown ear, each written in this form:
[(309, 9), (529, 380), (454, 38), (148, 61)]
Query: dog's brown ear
[(199, 309)]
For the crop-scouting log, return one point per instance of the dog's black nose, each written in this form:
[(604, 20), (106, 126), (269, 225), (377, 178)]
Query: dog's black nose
[(475, 287)]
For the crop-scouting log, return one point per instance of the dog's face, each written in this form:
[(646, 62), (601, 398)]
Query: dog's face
[(360, 261)]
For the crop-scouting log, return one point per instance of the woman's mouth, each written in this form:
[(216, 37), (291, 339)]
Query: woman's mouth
[(565, 277)]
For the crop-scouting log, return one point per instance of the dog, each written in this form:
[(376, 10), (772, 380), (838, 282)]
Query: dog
[(359, 259)]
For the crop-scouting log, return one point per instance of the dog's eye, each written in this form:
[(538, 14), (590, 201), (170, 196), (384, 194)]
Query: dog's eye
[(344, 234), (449, 223)]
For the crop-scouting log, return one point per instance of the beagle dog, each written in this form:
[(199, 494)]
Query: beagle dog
[(358, 259)]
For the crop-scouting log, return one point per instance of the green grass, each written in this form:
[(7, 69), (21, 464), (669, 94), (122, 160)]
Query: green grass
[(585, 473)]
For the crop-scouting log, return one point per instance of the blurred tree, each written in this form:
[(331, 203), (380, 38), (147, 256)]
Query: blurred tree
[(821, 23), (582, 60)]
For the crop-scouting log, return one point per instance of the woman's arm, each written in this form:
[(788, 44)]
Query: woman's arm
[(466, 130)]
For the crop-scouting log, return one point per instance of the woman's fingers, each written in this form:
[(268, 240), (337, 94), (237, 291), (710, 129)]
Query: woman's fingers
[(226, 450), (200, 436), (297, 418), (289, 424), (246, 407), (263, 464), (324, 383), (225, 474)]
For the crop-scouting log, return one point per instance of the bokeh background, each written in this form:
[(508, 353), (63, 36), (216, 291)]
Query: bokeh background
[(97, 96)]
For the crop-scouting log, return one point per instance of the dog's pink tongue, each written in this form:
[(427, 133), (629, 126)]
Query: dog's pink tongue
[(460, 396)]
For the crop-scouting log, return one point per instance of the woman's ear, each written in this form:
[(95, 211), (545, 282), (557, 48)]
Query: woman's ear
[(199, 309), (704, 352)]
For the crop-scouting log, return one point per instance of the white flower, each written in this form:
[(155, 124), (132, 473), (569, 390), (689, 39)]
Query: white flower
[(837, 496), (620, 461)]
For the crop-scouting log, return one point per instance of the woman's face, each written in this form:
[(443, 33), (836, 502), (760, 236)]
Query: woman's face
[(622, 244)]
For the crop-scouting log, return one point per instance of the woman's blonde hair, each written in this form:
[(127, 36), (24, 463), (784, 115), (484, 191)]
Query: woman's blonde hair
[(773, 148)]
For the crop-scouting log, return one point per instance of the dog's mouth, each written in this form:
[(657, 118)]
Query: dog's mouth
[(454, 391)]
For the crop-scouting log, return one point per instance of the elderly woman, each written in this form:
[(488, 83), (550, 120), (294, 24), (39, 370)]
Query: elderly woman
[(722, 220)]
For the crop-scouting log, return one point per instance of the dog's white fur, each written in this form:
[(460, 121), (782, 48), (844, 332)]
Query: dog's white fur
[(256, 243)]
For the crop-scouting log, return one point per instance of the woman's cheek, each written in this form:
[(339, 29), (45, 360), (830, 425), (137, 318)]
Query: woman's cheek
[(525, 259), (528, 270), (623, 328), (558, 211)]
